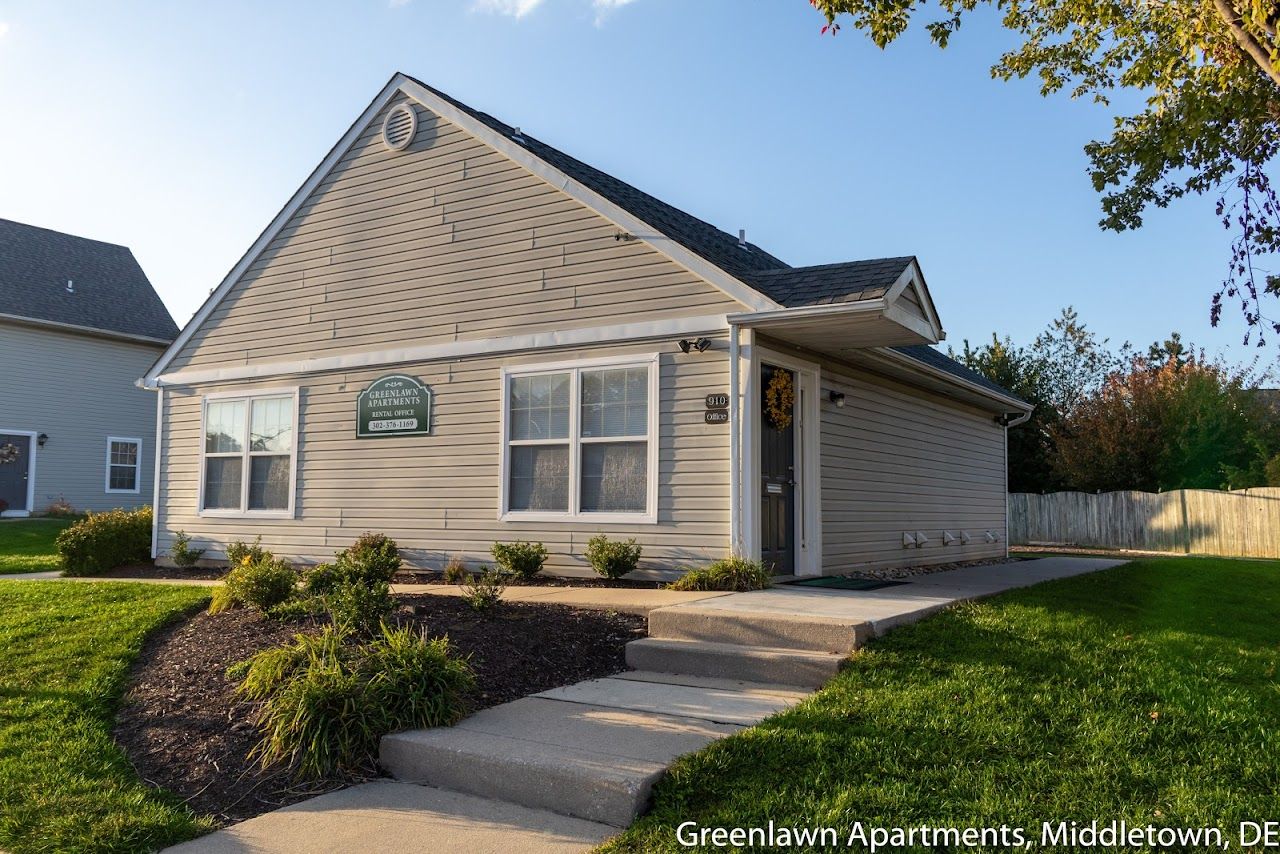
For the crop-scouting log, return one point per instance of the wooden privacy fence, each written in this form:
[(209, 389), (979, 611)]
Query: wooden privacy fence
[(1243, 523)]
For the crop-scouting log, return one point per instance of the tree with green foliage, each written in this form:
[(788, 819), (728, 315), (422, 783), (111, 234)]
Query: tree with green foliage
[(1209, 71), (1020, 371), (1184, 423)]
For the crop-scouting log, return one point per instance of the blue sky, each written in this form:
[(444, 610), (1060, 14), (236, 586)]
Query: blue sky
[(180, 129)]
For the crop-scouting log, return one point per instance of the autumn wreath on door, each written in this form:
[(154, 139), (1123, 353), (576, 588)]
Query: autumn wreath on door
[(780, 398), (8, 453)]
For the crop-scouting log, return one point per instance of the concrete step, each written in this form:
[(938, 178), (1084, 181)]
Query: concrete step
[(591, 762), (742, 704), (782, 631), (733, 661)]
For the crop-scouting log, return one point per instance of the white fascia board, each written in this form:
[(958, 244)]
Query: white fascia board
[(588, 336), (335, 154), (620, 217), (402, 84), (805, 312), (1012, 404)]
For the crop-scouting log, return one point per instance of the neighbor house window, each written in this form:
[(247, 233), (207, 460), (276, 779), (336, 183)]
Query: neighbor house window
[(124, 462), (248, 454), (580, 440)]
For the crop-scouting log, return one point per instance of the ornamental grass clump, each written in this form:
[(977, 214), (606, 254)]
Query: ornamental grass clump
[(612, 558), (521, 559), (733, 574), (103, 541), (327, 701), (456, 572)]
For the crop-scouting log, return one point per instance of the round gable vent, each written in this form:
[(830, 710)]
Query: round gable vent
[(399, 127)]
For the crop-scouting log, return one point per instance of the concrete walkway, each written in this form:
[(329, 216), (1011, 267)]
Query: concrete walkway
[(565, 769)]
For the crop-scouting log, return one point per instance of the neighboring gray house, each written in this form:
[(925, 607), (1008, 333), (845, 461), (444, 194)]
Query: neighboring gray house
[(79, 323), (455, 333)]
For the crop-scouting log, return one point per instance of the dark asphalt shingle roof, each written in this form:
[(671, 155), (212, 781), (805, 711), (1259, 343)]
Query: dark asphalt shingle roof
[(850, 281), (111, 291), (935, 359)]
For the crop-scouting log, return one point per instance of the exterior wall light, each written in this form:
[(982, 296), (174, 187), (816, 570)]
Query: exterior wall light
[(41, 439), (836, 397), (700, 345)]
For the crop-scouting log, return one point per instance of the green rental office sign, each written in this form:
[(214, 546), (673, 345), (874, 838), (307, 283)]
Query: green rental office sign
[(394, 405)]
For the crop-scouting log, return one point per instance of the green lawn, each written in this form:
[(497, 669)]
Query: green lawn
[(65, 650), (1147, 693), (26, 545)]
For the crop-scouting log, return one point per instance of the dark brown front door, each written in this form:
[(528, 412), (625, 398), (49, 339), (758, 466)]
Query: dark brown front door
[(13, 474), (777, 480)]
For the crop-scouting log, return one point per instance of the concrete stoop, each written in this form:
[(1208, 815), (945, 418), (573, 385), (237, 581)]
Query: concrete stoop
[(732, 661)]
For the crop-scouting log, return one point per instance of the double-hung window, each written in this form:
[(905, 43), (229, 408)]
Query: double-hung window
[(581, 441), (124, 461), (248, 459)]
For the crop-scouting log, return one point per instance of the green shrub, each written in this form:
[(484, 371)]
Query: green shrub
[(521, 559), (456, 572), (321, 578), (485, 590), (373, 559), (326, 703), (182, 553), (612, 558), (360, 609), (734, 573), (103, 541), (262, 583), (238, 552)]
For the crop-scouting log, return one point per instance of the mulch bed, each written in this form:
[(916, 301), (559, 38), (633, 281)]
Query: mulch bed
[(185, 730), (416, 576), (151, 571), (894, 573)]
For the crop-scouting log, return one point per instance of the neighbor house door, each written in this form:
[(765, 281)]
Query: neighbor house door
[(777, 476), (16, 473)]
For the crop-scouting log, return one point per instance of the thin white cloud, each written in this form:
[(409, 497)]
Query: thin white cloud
[(606, 7), (396, 4), (514, 8), (4, 29)]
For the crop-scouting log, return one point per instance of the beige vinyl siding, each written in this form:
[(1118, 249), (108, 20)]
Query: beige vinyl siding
[(448, 240), (78, 390), (898, 459), (438, 495)]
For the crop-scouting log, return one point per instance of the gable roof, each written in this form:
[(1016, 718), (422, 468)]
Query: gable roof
[(747, 272), (110, 293)]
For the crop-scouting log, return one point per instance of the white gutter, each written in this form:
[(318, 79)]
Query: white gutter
[(762, 318), (83, 330), (1013, 403)]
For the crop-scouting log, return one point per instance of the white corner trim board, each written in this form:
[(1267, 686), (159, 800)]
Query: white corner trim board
[(400, 83), (614, 334)]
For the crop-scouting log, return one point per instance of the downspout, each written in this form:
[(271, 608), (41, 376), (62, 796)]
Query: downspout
[(735, 446), (155, 474), (1008, 422)]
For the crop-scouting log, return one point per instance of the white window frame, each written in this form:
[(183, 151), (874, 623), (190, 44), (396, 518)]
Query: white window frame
[(649, 361), (248, 396), (137, 466)]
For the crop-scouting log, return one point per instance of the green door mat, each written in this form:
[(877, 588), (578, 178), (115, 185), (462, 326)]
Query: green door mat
[(844, 582)]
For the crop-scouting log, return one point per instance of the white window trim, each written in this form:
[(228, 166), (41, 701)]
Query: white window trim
[(249, 395), (137, 466), (650, 361)]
